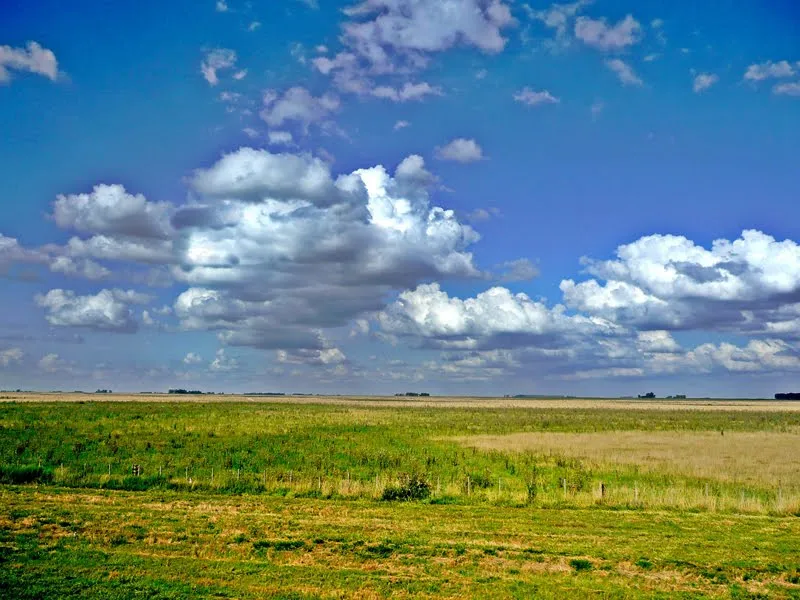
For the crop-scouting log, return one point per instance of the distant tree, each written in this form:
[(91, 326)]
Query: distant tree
[(788, 396), (648, 395)]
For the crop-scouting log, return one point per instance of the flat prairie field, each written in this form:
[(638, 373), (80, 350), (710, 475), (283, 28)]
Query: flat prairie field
[(150, 496)]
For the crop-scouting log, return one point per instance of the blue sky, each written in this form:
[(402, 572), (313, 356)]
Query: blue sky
[(472, 196)]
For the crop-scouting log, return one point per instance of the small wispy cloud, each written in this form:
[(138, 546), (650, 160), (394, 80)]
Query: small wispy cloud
[(704, 81), (532, 98), (624, 72)]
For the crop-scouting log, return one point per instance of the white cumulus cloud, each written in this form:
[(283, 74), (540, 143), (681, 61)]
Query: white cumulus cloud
[(770, 70), (110, 209), (598, 34), (669, 282), (461, 150), (11, 356), (31, 59), (108, 310), (298, 105)]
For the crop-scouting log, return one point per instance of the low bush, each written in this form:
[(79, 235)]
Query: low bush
[(279, 544), (24, 474), (581, 564), (414, 488)]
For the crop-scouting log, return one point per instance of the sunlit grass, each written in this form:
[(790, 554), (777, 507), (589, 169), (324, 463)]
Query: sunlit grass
[(80, 543), (286, 500)]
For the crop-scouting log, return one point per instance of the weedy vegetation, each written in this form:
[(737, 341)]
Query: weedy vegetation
[(358, 499)]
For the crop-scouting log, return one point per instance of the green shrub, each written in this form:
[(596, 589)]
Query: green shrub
[(24, 474), (415, 488), (133, 483), (581, 564), (382, 550), (279, 544), (441, 500), (479, 481)]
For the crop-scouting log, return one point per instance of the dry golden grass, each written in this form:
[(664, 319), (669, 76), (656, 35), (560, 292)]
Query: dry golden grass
[(428, 402), (756, 457)]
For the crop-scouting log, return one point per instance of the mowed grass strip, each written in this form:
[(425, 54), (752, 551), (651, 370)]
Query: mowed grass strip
[(57, 543)]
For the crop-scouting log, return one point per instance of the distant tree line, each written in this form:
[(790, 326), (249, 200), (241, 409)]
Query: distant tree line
[(183, 391), (414, 394), (788, 396)]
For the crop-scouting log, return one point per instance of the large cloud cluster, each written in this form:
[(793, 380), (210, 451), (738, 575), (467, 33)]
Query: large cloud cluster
[(276, 248), (275, 251), (493, 319), (121, 227), (750, 284), (621, 326)]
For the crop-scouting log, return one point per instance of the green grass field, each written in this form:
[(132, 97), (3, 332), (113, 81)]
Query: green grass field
[(254, 500)]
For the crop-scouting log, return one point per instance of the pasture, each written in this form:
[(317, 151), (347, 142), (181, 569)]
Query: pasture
[(292, 498)]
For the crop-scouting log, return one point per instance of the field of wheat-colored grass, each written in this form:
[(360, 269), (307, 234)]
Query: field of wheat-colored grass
[(764, 457)]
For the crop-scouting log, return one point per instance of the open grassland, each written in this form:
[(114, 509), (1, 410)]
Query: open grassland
[(284, 498)]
